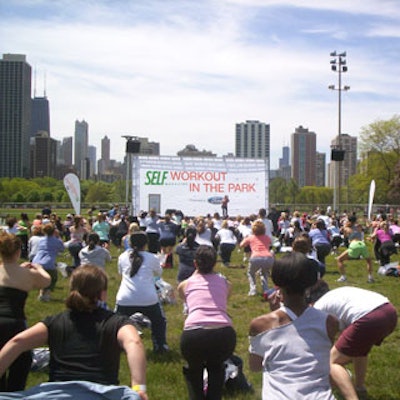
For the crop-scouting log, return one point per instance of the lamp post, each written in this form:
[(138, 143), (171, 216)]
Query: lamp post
[(338, 64)]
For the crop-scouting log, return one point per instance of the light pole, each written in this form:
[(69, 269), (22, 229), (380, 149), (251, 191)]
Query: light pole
[(338, 64)]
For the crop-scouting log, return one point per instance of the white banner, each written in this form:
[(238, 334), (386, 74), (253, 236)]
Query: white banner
[(196, 186), (371, 198), (73, 187)]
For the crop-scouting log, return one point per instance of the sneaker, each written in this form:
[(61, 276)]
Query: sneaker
[(161, 350), (342, 279), (252, 293), (371, 280)]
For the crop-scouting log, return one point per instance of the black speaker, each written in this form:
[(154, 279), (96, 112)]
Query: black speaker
[(337, 155), (133, 146)]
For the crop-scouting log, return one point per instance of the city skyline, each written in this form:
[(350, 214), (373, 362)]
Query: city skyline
[(185, 72)]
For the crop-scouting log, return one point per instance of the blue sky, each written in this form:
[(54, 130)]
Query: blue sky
[(184, 72)]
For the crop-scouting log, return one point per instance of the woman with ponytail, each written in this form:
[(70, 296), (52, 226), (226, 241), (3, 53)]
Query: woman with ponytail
[(93, 253), (137, 291), (86, 340)]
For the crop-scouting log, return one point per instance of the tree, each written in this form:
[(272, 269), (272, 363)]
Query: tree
[(278, 191), (394, 192), (33, 196), (18, 197), (99, 192), (381, 140), (293, 190)]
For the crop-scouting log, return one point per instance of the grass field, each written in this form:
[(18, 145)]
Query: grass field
[(164, 376)]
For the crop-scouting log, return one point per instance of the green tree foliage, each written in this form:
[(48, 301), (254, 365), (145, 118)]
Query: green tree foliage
[(315, 195), (394, 192), (357, 189), (18, 197), (119, 191), (278, 191), (380, 141), (33, 196), (47, 196), (99, 192), (293, 191)]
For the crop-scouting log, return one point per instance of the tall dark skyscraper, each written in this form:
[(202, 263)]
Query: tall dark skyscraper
[(40, 121), (43, 156), (15, 115)]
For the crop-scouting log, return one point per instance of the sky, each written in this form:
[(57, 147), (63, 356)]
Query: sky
[(186, 71)]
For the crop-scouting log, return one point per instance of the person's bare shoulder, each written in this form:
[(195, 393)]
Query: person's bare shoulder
[(268, 321)]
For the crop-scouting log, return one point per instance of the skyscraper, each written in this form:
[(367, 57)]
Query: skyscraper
[(66, 152), (284, 170), (105, 151), (303, 150), (43, 156), (252, 140), (285, 160), (15, 115), (40, 121), (81, 146), (92, 155)]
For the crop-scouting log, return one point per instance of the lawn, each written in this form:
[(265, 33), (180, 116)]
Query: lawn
[(164, 372)]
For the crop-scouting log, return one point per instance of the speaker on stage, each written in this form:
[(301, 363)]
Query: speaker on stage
[(337, 155), (133, 146)]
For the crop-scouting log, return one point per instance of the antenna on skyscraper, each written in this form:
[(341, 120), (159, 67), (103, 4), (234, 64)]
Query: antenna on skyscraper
[(44, 89)]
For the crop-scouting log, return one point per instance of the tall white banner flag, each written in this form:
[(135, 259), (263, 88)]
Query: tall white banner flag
[(73, 187), (371, 198)]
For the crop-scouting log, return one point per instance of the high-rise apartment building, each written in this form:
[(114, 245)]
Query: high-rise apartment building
[(348, 166), (15, 115), (81, 147), (252, 140), (303, 160), (40, 121)]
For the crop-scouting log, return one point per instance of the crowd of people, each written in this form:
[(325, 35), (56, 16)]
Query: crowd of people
[(299, 326)]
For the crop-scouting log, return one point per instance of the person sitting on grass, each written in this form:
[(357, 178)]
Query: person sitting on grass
[(86, 340)]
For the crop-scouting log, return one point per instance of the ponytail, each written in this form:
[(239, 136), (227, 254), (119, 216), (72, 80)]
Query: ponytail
[(93, 240), (138, 243)]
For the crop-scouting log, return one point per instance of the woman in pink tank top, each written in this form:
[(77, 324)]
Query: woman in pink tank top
[(208, 338)]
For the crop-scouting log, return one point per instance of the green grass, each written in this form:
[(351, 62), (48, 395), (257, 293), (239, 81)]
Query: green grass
[(164, 377)]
